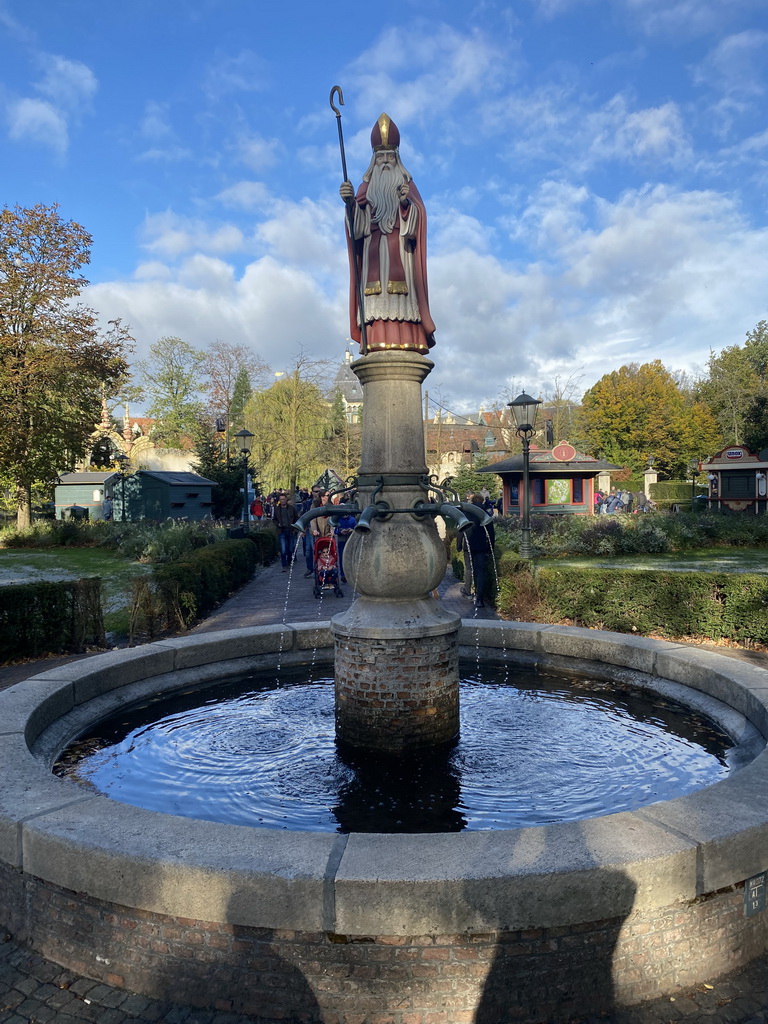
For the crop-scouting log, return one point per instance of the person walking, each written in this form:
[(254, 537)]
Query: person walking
[(284, 517), (343, 532), (307, 540)]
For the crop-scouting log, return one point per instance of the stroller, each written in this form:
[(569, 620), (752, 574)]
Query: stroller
[(326, 557)]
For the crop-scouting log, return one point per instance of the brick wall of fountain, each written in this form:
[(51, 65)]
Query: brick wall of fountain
[(277, 975)]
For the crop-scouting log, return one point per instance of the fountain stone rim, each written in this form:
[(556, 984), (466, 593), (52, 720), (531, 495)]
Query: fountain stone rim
[(672, 852)]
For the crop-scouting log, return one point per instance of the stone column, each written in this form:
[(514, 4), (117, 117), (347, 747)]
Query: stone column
[(396, 646)]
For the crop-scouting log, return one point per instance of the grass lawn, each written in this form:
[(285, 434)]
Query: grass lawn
[(30, 565), (702, 560)]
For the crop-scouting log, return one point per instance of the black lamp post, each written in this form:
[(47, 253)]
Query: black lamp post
[(524, 409), (695, 470), (245, 440), (121, 461)]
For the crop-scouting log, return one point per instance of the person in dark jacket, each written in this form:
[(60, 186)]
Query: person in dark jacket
[(284, 518), (477, 544)]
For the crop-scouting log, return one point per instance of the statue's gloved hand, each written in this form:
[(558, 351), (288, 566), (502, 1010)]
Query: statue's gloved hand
[(347, 191), (405, 191)]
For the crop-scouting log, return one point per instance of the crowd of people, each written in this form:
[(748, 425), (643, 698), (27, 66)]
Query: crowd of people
[(284, 509), (617, 500)]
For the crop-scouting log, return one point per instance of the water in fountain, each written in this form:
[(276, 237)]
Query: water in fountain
[(249, 753)]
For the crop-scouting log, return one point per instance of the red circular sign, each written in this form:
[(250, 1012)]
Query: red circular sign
[(563, 452)]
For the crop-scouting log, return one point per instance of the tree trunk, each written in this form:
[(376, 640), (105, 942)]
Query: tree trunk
[(23, 506)]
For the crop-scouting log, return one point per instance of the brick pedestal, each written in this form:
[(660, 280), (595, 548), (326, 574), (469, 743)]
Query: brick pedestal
[(396, 695)]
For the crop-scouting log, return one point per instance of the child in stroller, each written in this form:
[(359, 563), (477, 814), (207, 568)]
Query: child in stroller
[(326, 567)]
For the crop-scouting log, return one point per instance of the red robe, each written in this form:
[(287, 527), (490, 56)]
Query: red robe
[(393, 333)]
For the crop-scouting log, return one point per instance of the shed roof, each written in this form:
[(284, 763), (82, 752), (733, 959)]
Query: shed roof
[(177, 479), (87, 478), (734, 457), (545, 461)]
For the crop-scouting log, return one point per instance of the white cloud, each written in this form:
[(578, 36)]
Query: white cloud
[(686, 18), (554, 125), (245, 195), (155, 123), (242, 72), (659, 274), (69, 84), (736, 65), (38, 121), (273, 309), (306, 234), (170, 235), (67, 88), (419, 74), (255, 152)]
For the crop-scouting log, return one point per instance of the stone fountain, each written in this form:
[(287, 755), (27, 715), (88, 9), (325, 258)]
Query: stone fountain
[(524, 924)]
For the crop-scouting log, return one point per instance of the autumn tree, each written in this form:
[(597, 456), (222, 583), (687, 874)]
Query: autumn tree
[(172, 380), (54, 360), (639, 411), (561, 405), (232, 372)]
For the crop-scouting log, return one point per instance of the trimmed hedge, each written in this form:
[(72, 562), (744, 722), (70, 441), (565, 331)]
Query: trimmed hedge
[(668, 604), (178, 593), (674, 490), (50, 618), (266, 541)]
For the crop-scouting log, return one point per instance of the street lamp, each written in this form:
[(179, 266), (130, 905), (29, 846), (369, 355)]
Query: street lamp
[(524, 409), (245, 440), (121, 461)]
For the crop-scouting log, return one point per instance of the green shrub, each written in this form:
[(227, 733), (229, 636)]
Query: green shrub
[(50, 618), (266, 540), (141, 541), (673, 490), (179, 592), (668, 604)]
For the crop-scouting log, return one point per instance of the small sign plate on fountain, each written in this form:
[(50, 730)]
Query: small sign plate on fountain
[(754, 894)]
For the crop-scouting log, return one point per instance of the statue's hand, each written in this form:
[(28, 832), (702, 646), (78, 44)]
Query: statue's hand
[(347, 191), (405, 191)]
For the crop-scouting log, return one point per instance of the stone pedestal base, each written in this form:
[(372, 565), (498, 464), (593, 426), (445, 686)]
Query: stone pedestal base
[(397, 686)]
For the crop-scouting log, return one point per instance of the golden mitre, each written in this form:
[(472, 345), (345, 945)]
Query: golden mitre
[(385, 134)]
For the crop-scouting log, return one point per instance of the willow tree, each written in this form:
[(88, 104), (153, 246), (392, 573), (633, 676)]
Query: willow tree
[(290, 421), (55, 364)]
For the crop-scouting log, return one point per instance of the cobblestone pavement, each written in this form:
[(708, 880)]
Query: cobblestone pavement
[(34, 990)]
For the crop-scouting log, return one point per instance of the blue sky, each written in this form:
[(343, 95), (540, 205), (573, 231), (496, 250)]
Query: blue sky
[(595, 171)]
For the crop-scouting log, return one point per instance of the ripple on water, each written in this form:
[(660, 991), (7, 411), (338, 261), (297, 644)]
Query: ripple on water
[(534, 750)]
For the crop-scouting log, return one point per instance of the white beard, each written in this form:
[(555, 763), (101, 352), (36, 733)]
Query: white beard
[(384, 195)]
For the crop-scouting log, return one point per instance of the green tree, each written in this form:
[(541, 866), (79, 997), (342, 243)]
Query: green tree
[(730, 391), (211, 462), (54, 361), (342, 448), (290, 421), (639, 411), (172, 379), (241, 392), (468, 479)]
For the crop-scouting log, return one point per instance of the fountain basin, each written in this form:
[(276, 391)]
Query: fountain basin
[(551, 920)]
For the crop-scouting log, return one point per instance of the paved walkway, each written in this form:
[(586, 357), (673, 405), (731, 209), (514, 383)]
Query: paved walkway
[(34, 990)]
